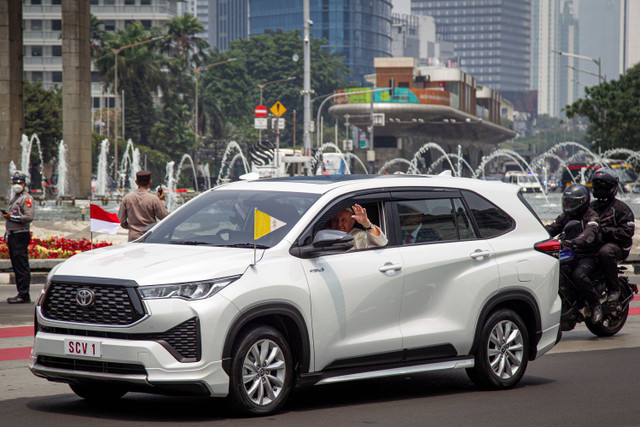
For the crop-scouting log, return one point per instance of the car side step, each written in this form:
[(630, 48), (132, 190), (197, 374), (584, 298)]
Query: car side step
[(405, 370)]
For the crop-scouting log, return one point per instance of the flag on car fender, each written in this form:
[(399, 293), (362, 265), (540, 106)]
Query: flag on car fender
[(264, 224), (103, 221)]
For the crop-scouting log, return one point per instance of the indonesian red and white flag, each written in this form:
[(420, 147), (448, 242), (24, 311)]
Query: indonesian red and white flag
[(103, 221)]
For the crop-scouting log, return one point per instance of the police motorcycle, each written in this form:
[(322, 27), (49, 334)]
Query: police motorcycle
[(574, 308)]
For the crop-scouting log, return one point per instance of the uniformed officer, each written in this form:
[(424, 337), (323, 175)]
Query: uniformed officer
[(141, 208), (17, 235)]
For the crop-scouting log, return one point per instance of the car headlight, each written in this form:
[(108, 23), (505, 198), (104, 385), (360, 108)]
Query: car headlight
[(189, 290)]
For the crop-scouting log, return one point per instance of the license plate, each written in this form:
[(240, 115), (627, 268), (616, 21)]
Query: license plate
[(82, 348)]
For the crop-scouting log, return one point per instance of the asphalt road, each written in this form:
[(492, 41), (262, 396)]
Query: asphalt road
[(584, 380)]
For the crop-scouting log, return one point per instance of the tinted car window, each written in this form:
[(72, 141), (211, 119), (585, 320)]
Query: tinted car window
[(490, 219), (463, 221), (226, 218)]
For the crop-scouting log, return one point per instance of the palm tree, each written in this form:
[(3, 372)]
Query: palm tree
[(140, 75), (97, 36), (183, 42)]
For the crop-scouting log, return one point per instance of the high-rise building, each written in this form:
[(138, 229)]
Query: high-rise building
[(629, 34), (556, 77), (492, 38), (415, 36), (43, 42), (359, 31), (228, 21)]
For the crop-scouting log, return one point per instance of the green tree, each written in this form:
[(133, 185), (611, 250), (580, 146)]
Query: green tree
[(140, 75), (613, 111), (230, 92), (97, 36), (182, 41), (43, 116)]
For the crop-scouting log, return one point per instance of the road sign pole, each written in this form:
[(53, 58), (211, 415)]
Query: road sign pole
[(277, 162)]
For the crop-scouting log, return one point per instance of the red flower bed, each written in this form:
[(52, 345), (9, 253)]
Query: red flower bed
[(53, 247)]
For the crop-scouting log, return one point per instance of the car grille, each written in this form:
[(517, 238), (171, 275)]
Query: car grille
[(182, 341), (114, 305), (91, 366)]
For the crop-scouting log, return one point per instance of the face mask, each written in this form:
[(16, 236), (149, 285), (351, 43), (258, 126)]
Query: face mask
[(17, 188)]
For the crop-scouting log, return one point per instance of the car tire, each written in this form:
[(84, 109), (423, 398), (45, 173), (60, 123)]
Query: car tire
[(500, 361), (261, 371), (98, 391)]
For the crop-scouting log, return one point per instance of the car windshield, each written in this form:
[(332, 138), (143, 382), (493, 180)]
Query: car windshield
[(226, 218)]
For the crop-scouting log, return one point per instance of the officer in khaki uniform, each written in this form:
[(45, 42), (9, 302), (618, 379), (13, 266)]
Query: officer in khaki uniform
[(18, 236), (141, 208)]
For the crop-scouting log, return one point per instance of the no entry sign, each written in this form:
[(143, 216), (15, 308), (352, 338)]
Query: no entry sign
[(260, 111)]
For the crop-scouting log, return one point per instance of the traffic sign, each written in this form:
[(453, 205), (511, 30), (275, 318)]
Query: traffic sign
[(278, 109), (260, 111), (280, 123), (260, 123)]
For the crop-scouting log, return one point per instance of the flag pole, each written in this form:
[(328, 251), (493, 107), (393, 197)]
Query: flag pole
[(91, 247), (254, 236)]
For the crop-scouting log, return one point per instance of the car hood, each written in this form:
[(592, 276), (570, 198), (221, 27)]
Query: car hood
[(150, 263)]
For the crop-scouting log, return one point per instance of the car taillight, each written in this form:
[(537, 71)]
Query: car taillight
[(549, 247)]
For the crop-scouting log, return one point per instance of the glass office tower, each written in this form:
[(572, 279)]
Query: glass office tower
[(360, 30), (492, 38)]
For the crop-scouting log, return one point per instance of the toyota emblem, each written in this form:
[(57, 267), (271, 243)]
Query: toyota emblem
[(85, 297)]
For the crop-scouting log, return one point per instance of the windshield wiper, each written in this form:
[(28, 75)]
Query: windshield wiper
[(247, 245), (187, 242)]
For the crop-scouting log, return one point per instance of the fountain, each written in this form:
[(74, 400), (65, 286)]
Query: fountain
[(459, 158), (27, 145), (62, 170), (393, 162), (418, 154), (315, 161), (224, 174), (132, 162), (206, 175), (349, 155), (170, 193), (102, 175)]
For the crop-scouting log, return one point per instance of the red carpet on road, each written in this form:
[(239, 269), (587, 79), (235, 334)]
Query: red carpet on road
[(14, 353), (20, 331)]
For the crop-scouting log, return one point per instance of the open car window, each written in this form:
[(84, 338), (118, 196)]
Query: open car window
[(226, 218)]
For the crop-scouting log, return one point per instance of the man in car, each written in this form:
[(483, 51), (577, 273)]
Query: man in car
[(345, 221), (617, 227), (575, 206), (413, 231)]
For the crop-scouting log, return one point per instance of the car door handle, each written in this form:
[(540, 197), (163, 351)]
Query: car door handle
[(390, 267), (479, 254)]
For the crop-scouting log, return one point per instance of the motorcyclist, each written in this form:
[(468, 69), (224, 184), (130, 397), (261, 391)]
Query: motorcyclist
[(617, 227), (575, 206)]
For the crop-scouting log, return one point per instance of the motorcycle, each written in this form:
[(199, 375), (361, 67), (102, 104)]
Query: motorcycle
[(576, 310)]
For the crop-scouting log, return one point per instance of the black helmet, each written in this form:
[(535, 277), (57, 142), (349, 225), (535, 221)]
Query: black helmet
[(575, 199), (605, 183)]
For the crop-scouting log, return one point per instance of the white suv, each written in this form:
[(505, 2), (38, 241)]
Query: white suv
[(193, 308)]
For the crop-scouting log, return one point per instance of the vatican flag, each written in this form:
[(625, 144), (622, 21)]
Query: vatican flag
[(264, 224)]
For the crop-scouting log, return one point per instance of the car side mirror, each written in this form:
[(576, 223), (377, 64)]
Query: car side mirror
[(325, 242)]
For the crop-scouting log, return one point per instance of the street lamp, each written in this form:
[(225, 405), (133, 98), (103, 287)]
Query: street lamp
[(116, 52), (586, 58), (196, 72), (261, 86)]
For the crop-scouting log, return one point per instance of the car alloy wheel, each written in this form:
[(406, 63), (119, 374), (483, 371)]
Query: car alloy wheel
[(505, 349), (502, 353), (264, 372), (261, 371)]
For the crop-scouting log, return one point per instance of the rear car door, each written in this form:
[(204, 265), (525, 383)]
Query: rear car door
[(448, 272)]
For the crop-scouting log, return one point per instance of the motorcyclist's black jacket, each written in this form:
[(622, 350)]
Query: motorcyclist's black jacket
[(587, 241), (616, 222)]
